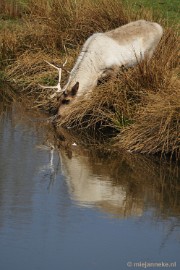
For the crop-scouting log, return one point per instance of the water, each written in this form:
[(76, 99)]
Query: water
[(77, 209)]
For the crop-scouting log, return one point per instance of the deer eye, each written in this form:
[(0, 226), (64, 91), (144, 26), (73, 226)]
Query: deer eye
[(66, 101)]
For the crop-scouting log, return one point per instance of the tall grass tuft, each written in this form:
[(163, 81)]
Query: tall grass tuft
[(156, 128), (11, 9)]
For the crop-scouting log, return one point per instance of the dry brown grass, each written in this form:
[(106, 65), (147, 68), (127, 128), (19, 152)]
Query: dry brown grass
[(142, 104), (156, 128), (60, 25), (10, 8), (7, 95), (71, 22)]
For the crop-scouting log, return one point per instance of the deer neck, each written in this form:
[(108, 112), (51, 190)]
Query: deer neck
[(86, 71)]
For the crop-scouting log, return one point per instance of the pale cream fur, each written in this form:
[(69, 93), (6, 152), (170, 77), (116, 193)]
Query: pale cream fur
[(104, 52)]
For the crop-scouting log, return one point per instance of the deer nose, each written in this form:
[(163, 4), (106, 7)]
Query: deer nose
[(65, 101)]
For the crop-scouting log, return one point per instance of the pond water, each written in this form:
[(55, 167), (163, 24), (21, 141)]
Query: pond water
[(75, 208)]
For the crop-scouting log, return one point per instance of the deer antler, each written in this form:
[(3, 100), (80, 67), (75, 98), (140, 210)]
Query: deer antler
[(58, 86)]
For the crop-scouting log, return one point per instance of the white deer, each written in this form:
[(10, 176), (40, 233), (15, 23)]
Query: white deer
[(104, 53)]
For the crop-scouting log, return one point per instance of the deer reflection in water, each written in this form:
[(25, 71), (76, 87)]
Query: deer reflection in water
[(50, 170), (118, 184)]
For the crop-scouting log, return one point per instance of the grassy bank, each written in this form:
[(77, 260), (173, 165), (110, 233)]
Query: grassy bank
[(140, 108), (168, 9)]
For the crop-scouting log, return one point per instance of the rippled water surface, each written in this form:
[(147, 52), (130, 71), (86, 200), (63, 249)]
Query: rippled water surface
[(77, 209)]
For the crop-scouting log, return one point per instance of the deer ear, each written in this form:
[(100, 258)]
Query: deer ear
[(74, 89)]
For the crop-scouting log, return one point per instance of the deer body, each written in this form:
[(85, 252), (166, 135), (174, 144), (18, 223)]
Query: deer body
[(104, 53)]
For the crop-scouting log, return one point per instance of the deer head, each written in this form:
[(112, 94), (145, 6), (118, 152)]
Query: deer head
[(67, 98)]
